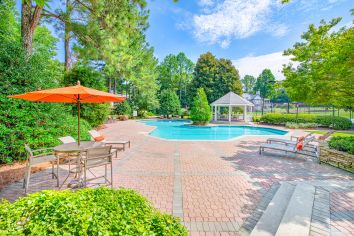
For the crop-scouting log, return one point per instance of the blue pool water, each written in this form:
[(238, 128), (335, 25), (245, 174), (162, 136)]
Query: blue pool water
[(180, 130)]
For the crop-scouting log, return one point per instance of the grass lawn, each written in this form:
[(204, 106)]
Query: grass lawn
[(335, 134)]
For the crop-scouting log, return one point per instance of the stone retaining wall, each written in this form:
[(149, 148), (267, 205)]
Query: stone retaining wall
[(337, 158)]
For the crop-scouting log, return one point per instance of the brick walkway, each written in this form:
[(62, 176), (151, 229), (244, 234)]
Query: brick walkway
[(212, 186)]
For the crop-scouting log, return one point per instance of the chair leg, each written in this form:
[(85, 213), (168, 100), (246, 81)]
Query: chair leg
[(25, 177), (111, 174), (85, 175), (105, 174), (52, 169), (58, 171), (28, 175)]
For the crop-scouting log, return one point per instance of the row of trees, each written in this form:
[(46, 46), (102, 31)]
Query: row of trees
[(179, 79)]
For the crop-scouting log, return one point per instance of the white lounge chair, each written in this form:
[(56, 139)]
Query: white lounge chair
[(67, 139), (309, 138), (313, 152), (100, 138)]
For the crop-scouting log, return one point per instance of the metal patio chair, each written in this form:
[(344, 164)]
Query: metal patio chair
[(36, 157), (98, 157)]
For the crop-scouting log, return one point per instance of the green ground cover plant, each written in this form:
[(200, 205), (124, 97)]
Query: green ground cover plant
[(340, 123), (345, 144), (100, 211)]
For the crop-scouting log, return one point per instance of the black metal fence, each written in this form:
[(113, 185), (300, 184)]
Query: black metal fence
[(293, 108)]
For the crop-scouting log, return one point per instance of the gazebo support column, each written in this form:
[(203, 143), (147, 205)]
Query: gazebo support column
[(230, 113), (245, 114), (215, 113)]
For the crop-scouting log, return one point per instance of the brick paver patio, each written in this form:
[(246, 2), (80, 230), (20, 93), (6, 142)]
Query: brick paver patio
[(212, 186)]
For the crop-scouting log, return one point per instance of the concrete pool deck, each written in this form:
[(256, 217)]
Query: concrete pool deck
[(214, 187)]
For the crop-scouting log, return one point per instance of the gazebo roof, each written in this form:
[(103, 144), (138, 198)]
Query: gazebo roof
[(232, 99)]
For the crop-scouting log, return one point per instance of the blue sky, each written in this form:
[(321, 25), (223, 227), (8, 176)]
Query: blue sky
[(252, 33)]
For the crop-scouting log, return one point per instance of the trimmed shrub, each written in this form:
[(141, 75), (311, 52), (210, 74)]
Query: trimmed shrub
[(256, 118), (282, 119), (292, 125), (200, 112), (324, 121), (100, 211), (344, 144), (338, 122)]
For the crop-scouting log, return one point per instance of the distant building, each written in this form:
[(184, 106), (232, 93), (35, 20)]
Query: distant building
[(256, 99)]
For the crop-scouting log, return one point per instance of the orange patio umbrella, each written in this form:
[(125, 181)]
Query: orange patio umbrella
[(73, 94)]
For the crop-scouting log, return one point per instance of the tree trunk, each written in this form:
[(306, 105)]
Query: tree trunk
[(67, 39), (110, 85), (288, 110), (67, 49), (29, 23)]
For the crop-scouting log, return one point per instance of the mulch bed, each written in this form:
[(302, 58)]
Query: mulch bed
[(16, 171)]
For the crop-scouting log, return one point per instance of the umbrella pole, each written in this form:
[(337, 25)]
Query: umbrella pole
[(78, 120)]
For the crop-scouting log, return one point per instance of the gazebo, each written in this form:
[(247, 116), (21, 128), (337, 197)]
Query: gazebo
[(231, 100)]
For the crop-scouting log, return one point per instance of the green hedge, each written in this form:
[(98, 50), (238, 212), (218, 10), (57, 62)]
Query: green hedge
[(100, 211), (345, 144), (324, 121)]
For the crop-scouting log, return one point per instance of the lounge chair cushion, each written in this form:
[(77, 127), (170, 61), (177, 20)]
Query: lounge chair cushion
[(299, 146), (99, 138)]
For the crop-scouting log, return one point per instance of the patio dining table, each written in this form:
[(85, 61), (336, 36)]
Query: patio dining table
[(68, 150)]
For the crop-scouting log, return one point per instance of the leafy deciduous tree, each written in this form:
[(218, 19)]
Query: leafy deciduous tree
[(169, 103), (325, 74), (176, 72), (216, 77), (248, 82), (265, 84)]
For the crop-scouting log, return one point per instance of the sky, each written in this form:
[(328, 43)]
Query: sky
[(251, 33)]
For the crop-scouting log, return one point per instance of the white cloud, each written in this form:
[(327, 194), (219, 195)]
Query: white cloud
[(228, 19), (254, 65), (278, 30), (207, 3)]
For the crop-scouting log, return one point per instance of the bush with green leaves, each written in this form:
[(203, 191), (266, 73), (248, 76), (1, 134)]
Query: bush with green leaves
[(94, 113), (344, 144), (256, 118), (122, 108), (335, 122), (100, 211), (293, 125), (324, 121), (200, 112), (169, 103), (38, 124)]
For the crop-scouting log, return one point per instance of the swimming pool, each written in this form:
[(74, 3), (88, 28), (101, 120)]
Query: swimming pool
[(180, 130)]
